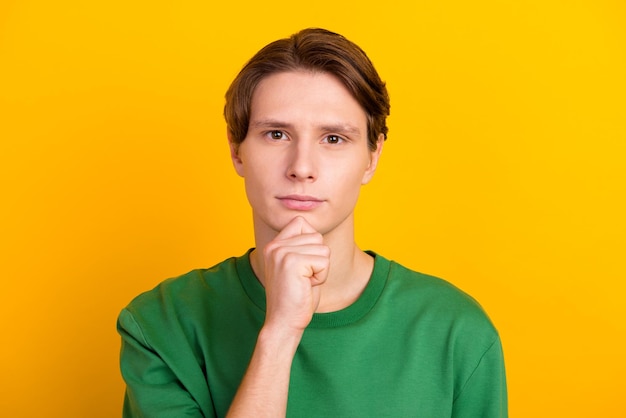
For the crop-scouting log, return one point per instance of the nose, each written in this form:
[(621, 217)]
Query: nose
[(302, 164)]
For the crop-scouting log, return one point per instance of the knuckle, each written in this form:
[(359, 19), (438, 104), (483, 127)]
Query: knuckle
[(280, 253), (289, 259), (271, 249)]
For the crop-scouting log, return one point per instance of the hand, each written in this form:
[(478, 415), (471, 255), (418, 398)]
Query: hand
[(296, 264)]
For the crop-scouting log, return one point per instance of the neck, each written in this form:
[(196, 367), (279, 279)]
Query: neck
[(350, 267)]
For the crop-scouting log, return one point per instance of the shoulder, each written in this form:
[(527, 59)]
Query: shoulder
[(437, 301), (435, 288), (189, 291)]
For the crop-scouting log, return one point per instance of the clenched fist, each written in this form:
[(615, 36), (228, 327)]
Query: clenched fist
[(296, 264)]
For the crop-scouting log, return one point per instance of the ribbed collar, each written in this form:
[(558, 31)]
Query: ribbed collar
[(346, 316)]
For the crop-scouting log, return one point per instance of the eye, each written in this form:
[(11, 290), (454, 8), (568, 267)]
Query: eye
[(276, 135), (333, 139)]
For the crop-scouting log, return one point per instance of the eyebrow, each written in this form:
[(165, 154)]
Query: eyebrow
[(332, 127), (269, 123)]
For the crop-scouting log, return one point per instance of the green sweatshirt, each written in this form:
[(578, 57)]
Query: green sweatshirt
[(412, 345)]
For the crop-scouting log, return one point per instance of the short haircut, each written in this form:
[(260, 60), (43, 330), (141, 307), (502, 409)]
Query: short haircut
[(316, 50)]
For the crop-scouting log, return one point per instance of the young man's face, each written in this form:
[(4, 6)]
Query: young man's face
[(305, 152)]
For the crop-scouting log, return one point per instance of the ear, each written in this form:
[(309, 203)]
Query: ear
[(234, 154), (374, 158)]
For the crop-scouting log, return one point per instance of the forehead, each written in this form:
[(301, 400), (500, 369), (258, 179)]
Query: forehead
[(305, 97)]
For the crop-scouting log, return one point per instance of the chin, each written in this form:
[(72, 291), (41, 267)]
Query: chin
[(276, 224)]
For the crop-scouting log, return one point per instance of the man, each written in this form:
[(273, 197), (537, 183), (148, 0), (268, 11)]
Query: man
[(306, 324)]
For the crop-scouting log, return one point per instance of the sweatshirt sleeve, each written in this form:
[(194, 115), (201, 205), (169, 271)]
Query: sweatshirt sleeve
[(484, 395), (152, 388)]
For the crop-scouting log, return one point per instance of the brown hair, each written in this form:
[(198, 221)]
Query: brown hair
[(314, 50)]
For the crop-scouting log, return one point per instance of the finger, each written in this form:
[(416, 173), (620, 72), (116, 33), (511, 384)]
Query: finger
[(306, 227), (293, 253), (320, 267), (297, 226), (279, 247), (314, 267), (304, 239)]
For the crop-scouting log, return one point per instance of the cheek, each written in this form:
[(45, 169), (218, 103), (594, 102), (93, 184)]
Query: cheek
[(355, 173), (256, 166), (349, 182), (260, 175), (255, 193)]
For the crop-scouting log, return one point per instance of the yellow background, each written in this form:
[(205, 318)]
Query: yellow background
[(504, 173)]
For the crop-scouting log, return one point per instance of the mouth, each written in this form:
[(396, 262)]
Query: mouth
[(300, 202)]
